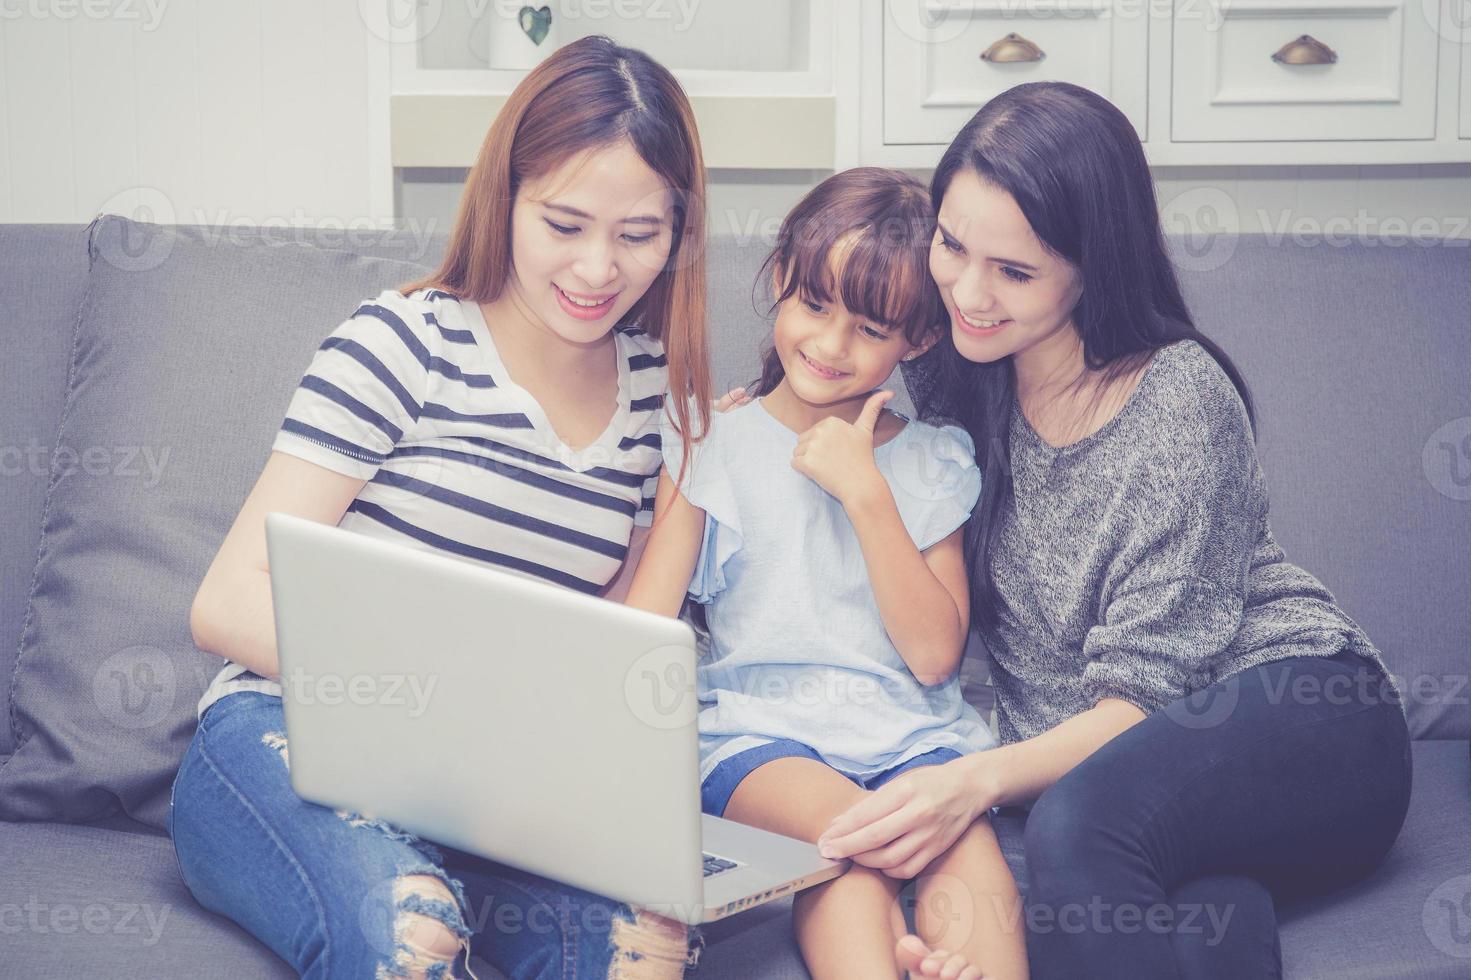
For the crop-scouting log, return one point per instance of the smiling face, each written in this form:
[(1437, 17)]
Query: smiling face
[(588, 239), (830, 354), (1005, 293)]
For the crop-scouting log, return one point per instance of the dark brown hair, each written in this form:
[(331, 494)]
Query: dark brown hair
[(1074, 165), (586, 95), (863, 237)]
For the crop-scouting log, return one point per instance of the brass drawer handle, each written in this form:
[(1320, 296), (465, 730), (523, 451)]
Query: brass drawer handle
[(1013, 47), (1306, 50)]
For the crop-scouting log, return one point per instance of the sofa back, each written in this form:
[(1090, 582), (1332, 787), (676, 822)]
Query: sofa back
[(43, 274), (1358, 357)]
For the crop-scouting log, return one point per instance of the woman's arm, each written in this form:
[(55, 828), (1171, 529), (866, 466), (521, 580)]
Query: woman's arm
[(1182, 582), (617, 589), (1018, 773), (232, 615), (910, 821), (664, 570)]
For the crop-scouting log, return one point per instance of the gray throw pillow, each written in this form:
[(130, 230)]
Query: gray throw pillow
[(188, 347)]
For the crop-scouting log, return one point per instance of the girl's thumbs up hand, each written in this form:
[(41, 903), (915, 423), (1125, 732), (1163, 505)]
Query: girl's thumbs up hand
[(838, 456)]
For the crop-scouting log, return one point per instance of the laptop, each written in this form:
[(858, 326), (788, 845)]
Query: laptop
[(509, 718)]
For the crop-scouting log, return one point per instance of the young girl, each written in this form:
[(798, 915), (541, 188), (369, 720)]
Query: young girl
[(503, 410), (824, 536)]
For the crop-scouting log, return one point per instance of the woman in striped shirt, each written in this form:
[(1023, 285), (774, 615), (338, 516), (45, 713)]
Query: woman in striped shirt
[(505, 409)]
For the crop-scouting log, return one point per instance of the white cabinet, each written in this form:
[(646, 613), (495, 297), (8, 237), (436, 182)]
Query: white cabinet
[(944, 59), (1271, 70), (1205, 82)]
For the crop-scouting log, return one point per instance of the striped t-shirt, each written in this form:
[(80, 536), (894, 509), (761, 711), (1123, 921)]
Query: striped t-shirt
[(410, 394)]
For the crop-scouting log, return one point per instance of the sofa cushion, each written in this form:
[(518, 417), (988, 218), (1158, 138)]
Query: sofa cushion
[(1359, 356), (104, 901), (1412, 916), (186, 354), (42, 281), (67, 889)]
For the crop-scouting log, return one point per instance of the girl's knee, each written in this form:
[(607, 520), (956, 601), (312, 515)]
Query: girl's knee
[(856, 882)]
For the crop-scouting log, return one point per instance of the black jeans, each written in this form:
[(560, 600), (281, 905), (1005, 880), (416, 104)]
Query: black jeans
[(1161, 854)]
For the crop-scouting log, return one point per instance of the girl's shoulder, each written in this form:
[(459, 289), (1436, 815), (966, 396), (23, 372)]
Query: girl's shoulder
[(932, 439), (933, 473), (890, 425), (728, 433), (741, 424)]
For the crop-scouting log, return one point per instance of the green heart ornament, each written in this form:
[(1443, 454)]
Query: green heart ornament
[(535, 23)]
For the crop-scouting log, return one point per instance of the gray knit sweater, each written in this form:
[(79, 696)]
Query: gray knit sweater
[(1137, 563)]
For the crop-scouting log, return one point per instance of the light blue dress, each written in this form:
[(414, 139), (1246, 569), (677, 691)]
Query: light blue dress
[(798, 647)]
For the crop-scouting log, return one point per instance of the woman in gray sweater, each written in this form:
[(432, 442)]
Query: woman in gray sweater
[(1194, 722)]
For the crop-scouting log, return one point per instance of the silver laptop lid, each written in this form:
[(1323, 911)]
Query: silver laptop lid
[(507, 717)]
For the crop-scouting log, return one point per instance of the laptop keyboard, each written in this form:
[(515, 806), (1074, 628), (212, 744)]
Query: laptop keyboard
[(714, 865)]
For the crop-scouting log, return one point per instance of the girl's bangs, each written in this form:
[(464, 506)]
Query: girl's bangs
[(880, 274)]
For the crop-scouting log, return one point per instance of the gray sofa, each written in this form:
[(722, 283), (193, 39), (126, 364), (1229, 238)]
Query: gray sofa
[(156, 362)]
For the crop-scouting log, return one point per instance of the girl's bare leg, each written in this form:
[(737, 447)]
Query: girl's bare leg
[(968, 914), (839, 924)]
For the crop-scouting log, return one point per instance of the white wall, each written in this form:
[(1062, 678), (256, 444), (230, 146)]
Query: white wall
[(205, 110)]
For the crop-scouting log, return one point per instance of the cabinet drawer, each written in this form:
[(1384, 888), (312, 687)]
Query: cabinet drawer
[(935, 78), (1351, 70)]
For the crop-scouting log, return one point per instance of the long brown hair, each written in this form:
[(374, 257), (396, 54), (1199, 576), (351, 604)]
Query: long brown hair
[(874, 224), (590, 94), (1074, 166)]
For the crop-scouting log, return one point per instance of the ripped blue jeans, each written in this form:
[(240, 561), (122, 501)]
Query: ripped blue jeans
[(336, 895)]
